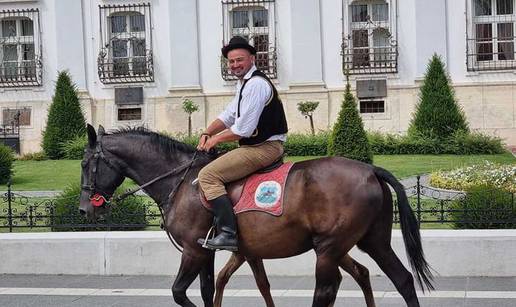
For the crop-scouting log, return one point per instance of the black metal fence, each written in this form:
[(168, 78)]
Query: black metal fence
[(436, 208)]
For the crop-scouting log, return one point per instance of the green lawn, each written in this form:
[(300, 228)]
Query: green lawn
[(403, 166), (57, 174)]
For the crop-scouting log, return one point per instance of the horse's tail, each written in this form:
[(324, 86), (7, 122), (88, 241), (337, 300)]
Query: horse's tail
[(410, 231)]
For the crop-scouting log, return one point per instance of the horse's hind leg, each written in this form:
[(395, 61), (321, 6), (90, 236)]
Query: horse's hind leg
[(394, 269), (327, 281), (262, 282), (361, 275), (234, 262), (207, 281)]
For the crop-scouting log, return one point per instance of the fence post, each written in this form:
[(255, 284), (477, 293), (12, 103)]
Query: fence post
[(418, 190), (9, 206)]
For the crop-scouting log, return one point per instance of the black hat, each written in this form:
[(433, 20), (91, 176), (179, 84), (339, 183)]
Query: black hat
[(237, 42)]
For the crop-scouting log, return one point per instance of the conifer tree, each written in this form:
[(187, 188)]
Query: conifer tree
[(437, 113), (65, 118), (348, 138)]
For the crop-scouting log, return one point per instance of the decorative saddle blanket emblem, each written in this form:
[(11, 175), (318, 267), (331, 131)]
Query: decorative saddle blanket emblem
[(262, 192)]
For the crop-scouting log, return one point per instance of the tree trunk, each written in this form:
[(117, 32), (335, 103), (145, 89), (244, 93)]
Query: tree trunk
[(189, 126), (312, 124)]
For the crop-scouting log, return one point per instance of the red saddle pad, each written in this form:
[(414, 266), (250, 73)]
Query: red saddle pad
[(262, 192)]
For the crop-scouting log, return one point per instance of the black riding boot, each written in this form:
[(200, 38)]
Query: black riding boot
[(226, 225)]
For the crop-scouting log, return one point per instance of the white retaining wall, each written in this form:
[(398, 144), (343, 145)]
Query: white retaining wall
[(450, 252)]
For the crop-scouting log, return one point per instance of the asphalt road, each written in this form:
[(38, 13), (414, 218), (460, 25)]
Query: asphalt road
[(100, 291)]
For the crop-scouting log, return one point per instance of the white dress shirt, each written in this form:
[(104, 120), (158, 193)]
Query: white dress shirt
[(257, 92)]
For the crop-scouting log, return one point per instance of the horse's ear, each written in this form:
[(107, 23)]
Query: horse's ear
[(101, 130), (92, 136)]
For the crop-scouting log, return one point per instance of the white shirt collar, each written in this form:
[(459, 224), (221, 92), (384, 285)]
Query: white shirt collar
[(250, 72)]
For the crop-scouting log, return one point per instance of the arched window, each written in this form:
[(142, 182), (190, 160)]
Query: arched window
[(126, 53), (253, 20), (369, 40), (20, 63)]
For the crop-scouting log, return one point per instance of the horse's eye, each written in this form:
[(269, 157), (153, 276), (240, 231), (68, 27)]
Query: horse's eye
[(84, 163)]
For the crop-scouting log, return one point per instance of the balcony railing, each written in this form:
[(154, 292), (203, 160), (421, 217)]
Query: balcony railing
[(369, 60), (481, 56), (24, 73), (125, 69)]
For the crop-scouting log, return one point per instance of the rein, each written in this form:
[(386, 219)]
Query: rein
[(185, 167)]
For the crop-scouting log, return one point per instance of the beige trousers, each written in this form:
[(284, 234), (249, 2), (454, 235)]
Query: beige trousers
[(235, 165)]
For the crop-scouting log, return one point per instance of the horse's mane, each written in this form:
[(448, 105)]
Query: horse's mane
[(166, 144)]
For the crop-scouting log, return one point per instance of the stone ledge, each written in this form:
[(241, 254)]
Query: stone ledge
[(449, 252)]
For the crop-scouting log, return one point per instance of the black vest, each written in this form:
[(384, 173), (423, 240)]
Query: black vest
[(272, 120)]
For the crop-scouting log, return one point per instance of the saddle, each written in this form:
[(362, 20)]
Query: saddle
[(235, 188), (260, 191)]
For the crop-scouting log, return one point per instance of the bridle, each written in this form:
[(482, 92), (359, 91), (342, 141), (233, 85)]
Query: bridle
[(97, 194), (99, 198)]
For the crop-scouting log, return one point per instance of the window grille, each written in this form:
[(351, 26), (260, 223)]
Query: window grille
[(126, 44), (369, 43), (130, 113), (490, 36), (372, 106), (255, 21), (20, 48)]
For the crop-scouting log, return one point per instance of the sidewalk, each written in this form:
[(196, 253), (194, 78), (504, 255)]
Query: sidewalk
[(81, 290)]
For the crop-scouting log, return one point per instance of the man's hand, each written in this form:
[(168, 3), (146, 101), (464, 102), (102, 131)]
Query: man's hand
[(210, 143), (202, 141)]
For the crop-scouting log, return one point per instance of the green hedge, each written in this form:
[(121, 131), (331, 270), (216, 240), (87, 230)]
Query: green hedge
[(459, 143), (66, 212), (299, 144), (484, 207), (6, 163)]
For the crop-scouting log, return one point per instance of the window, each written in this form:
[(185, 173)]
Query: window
[(253, 20), (369, 43), (130, 113), (490, 39), (16, 117), (126, 53), (20, 51), (372, 106)]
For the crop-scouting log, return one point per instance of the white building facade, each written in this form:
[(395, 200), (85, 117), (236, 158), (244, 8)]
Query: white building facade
[(134, 62)]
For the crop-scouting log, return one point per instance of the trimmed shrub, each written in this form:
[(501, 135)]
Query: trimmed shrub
[(131, 211), (298, 144), (459, 143), (33, 156), (475, 143), (484, 207), (348, 138), (6, 163), (437, 114), (65, 118), (74, 149)]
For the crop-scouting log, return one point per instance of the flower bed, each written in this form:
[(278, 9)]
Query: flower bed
[(488, 173)]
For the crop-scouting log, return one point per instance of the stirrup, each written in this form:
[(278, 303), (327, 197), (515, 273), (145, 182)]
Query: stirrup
[(203, 241)]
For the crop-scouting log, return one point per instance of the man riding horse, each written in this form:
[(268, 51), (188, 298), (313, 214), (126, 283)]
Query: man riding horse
[(255, 117)]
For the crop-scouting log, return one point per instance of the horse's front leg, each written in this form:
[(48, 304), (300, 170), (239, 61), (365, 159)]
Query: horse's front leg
[(191, 264), (207, 277)]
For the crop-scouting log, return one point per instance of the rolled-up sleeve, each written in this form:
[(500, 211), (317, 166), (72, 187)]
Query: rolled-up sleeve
[(257, 92), (228, 115)]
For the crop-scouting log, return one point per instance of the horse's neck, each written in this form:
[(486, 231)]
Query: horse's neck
[(142, 167)]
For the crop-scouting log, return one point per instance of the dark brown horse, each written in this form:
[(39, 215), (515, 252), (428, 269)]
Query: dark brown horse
[(330, 205)]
